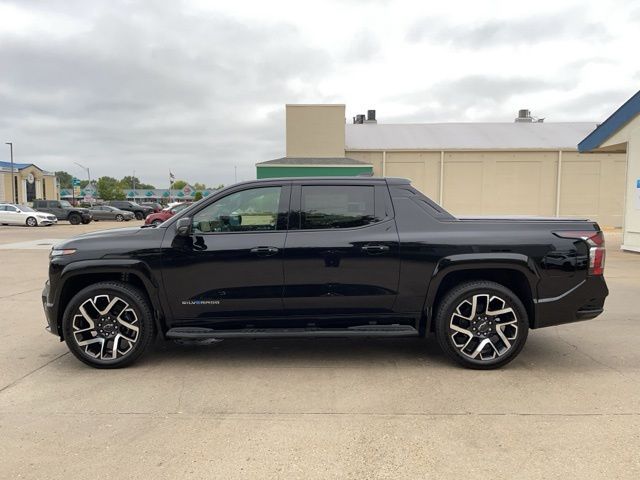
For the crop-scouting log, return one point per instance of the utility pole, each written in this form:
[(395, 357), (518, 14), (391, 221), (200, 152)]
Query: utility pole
[(13, 179), (235, 173), (88, 177)]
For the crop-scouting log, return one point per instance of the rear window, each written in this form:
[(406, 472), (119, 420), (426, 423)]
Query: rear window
[(325, 206)]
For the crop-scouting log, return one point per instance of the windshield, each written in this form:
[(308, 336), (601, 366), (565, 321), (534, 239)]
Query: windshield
[(24, 208), (64, 203)]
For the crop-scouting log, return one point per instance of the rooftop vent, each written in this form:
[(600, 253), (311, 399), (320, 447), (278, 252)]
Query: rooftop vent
[(369, 118), (524, 116)]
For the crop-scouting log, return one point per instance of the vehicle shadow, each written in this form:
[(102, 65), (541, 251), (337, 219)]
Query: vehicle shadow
[(300, 352)]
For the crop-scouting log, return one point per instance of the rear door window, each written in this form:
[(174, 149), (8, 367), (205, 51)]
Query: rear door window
[(333, 206)]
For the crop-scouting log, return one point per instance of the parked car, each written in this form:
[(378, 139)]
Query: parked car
[(158, 218), (155, 206), (107, 212), (11, 214), (356, 257), (140, 211), (63, 210)]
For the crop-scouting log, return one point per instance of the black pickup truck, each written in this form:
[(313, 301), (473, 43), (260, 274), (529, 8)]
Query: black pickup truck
[(324, 257)]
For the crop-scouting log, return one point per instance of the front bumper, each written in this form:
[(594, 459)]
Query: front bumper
[(49, 311)]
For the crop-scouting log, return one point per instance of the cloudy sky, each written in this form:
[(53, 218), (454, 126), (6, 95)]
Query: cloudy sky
[(199, 86)]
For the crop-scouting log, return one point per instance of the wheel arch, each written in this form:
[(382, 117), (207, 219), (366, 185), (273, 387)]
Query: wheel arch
[(79, 275), (514, 271)]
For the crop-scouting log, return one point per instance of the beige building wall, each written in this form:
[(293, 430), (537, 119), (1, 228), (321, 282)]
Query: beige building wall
[(628, 139), (315, 130), (45, 185), (514, 182)]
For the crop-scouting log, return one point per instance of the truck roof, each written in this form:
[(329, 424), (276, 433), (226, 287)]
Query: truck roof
[(363, 179)]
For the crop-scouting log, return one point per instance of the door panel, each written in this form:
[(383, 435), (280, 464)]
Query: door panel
[(341, 270), (231, 264)]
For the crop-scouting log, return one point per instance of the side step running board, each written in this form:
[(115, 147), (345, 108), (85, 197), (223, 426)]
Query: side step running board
[(356, 331)]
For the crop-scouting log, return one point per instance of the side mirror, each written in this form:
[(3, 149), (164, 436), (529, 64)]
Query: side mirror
[(183, 227)]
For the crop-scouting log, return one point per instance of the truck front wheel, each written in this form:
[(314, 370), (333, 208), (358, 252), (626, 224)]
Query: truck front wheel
[(139, 215), (481, 324), (75, 219), (108, 325)]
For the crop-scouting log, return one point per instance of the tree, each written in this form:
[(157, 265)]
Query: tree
[(199, 186), (197, 196), (109, 189), (129, 181), (179, 184), (64, 179), (84, 183)]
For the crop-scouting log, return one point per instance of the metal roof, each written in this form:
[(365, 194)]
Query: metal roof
[(318, 161), (18, 166), (618, 119), (467, 136)]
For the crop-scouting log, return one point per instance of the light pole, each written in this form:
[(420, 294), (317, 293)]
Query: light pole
[(88, 174), (13, 180)]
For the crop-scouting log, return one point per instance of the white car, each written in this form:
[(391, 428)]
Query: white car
[(11, 214)]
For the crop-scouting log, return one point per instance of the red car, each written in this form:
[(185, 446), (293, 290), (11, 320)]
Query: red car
[(162, 215)]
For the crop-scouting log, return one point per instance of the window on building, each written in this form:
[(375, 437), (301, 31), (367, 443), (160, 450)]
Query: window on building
[(337, 206)]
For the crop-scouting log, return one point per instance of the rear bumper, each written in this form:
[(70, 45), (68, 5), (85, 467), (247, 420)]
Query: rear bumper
[(585, 301)]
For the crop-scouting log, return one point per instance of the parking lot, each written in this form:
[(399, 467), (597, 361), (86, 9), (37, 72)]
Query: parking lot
[(567, 407)]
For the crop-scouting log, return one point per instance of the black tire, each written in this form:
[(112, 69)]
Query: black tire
[(136, 314), (139, 215), (75, 219), (506, 332), (86, 222), (119, 218), (31, 222)]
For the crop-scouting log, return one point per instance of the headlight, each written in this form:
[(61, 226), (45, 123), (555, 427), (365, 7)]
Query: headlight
[(58, 253)]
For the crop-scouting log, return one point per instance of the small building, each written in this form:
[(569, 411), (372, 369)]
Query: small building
[(620, 135), (312, 167), (525, 167), (29, 183)]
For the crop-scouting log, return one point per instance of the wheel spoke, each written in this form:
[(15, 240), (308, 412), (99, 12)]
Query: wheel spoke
[(486, 337), (102, 334)]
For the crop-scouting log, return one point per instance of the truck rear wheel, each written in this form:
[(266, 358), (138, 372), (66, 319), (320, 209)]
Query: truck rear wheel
[(481, 324), (108, 325), (75, 219)]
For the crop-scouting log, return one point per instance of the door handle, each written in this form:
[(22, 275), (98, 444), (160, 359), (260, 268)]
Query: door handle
[(375, 249), (265, 251)]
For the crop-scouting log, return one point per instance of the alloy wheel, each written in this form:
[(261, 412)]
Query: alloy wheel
[(32, 222), (105, 327), (483, 327)]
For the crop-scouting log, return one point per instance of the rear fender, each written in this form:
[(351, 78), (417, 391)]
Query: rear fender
[(476, 264)]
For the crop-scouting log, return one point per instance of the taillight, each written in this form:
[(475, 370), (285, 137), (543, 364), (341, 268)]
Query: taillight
[(595, 240)]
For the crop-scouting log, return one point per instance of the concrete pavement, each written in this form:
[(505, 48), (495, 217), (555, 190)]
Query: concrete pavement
[(567, 407)]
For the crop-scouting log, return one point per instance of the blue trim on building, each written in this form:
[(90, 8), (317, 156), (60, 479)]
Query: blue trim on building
[(17, 166), (611, 125)]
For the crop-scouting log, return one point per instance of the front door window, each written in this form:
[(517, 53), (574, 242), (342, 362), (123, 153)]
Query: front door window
[(254, 210)]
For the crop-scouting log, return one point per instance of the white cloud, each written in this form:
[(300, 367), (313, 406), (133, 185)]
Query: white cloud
[(200, 86)]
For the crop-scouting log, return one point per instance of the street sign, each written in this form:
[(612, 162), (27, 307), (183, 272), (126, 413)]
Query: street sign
[(75, 182)]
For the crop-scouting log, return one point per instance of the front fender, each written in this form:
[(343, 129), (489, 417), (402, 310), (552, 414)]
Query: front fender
[(107, 267)]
